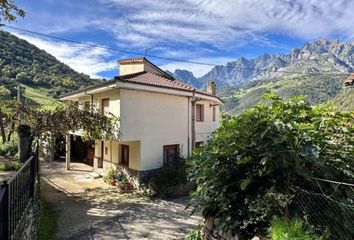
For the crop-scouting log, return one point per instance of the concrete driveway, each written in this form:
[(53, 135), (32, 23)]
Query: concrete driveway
[(88, 208)]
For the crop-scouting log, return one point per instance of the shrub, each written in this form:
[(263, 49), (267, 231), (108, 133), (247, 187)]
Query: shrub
[(282, 229), (8, 148), (10, 166), (167, 180), (111, 175), (246, 173), (193, 235)]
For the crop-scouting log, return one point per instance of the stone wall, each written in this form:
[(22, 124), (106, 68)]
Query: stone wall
[(27, 230), (209, 232)]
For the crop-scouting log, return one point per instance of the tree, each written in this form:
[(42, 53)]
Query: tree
[(9, 11), (68, 117), (246, 174), (6, 107)]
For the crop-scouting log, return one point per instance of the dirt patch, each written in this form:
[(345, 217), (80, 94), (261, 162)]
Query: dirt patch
[(90, 209)]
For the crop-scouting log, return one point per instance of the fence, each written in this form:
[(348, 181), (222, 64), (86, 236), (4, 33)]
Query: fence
[(330, 214), (16, 196)]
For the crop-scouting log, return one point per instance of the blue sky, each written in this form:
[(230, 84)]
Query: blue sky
[(212, 31)]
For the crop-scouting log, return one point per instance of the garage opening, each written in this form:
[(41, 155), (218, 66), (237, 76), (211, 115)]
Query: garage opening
[(82, 151)]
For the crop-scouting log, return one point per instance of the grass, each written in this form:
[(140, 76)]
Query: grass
[(10, 166), (283, 229), (40, 96), (47, 222)]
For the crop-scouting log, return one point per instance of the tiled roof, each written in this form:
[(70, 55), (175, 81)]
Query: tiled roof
[(137, 59), (349, 81), (152, 79)]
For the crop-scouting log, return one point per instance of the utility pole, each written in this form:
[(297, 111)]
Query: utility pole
[(18, 94), (19, 100)]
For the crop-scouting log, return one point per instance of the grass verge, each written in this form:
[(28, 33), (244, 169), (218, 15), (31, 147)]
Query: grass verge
[(47, 222)]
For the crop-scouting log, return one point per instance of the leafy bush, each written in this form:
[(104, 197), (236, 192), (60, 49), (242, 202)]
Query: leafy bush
[(193, 235), (112, 173), (8, 149), (246, 173), (165, 180), (10, 166), (282, 229)]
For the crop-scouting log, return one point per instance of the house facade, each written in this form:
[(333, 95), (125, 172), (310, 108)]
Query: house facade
[(159, 117)]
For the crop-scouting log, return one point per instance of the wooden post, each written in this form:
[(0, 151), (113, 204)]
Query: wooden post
[(25, 142), (68, 151)]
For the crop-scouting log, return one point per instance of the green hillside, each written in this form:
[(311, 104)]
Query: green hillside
[(42, 75), (317, 89)]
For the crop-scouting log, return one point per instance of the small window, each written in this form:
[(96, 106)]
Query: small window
[(170, 154), (106, 150), (87, 106), (199, 112), (198, 144), (214, 114), (105, 106)]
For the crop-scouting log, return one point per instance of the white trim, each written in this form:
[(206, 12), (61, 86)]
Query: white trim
[(140, 87), (145, 88), (101, 89)]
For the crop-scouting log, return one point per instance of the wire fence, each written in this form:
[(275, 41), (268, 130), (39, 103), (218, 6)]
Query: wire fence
[(330, 214)]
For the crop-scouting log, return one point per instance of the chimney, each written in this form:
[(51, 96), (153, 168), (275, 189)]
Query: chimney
[(131, 65), (211, 88), (140, 64)]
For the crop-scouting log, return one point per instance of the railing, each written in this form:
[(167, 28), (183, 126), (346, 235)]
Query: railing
[(16, 195)]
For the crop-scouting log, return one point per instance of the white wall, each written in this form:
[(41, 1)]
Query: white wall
[(156, 120), (148, 121), (114, 100), (203, 129)]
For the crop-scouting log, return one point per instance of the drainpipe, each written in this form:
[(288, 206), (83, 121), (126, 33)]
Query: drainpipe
[(188, 137), (193, 122), (91, 103)]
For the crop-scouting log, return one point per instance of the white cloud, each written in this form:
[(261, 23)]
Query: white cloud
[(185, 29), (83, 59), (229, 23)]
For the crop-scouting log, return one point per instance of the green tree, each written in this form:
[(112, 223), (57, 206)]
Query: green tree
[(247, 172), (9, 11)]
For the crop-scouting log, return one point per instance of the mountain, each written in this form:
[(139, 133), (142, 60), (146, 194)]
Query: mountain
[(187, 77), (303, 71), (41, 74)]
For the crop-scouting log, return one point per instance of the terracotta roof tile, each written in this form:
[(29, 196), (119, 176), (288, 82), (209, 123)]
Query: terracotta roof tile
[(148, 78), (136, 59), (349, 81)]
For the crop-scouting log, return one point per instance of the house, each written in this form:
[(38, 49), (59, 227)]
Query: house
[(160, 117)]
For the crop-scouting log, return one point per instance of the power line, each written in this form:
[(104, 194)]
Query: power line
[(167, 58)]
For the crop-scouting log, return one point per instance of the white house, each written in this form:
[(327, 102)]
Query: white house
[(159, 116)]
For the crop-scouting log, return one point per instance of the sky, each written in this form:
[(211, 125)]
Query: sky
[(212, 31)]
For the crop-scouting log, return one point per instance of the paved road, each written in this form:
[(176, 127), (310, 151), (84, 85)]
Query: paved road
[(90, 209)]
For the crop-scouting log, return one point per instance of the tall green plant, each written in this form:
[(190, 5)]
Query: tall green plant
[(246, 173)]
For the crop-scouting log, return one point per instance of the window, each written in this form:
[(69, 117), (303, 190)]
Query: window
[(198, 144), (125, 155), (199, 112), (105, 106), (214, 114), (87, 106), (170, 154)]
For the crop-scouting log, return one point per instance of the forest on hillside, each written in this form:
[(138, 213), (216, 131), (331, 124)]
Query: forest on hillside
[(25, 64)]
